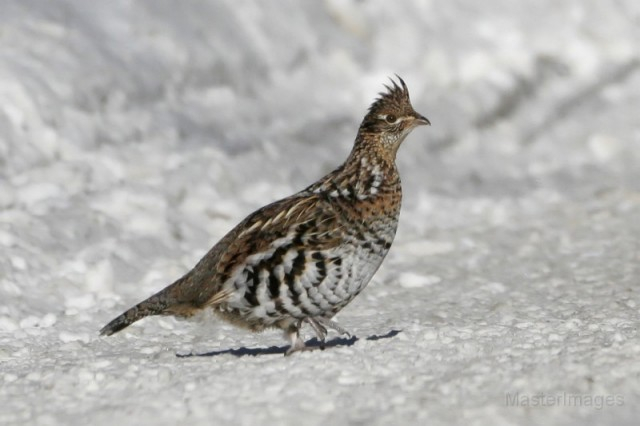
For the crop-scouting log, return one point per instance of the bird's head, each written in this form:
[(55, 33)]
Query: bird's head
[(391, 117)]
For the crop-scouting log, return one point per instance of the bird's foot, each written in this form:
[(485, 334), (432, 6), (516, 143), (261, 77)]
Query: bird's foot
[(320, 326), (327, 323), (298, 346), (297, 343), (321, 330)]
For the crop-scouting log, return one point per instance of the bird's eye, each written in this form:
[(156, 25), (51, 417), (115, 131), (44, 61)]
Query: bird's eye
[(391, 118)]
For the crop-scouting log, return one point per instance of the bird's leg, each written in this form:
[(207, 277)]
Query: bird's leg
[(297, 343), (328, 323), (321, 331)]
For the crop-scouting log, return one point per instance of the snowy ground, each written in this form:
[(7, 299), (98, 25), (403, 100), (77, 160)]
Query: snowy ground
[(133, 135)]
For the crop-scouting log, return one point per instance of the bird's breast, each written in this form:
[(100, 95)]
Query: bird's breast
[(296, 276)]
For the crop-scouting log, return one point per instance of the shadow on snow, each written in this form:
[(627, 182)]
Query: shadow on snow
[(313, 344)]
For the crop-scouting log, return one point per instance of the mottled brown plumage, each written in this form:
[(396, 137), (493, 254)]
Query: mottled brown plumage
[(305, 257)]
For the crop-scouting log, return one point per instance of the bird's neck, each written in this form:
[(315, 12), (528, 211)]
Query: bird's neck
[(367, 173)]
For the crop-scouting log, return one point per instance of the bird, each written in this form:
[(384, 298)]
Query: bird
[(302, 259)]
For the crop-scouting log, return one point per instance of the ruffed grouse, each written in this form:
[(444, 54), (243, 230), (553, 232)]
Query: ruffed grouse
[(303, 258)]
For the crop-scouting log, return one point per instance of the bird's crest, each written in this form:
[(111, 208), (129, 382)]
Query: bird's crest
[(395, 99)]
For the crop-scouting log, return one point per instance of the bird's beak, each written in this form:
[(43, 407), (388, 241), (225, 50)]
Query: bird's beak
[(420, 120)]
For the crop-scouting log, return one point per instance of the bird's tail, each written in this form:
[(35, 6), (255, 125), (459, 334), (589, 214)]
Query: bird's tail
[(155, 305)]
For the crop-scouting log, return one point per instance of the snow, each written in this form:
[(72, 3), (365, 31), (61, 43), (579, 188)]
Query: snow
[(133, 135)]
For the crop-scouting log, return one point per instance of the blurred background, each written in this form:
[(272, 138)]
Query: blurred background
[(134, 134)]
